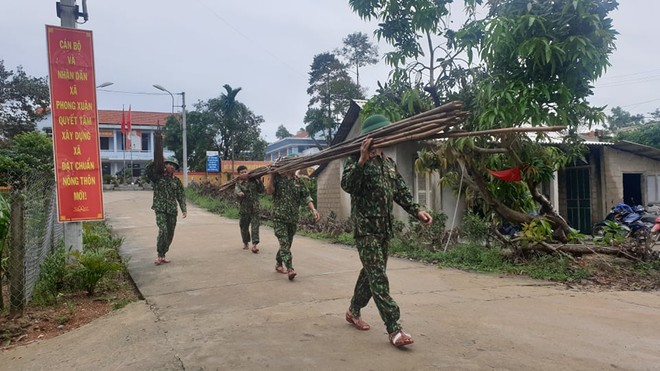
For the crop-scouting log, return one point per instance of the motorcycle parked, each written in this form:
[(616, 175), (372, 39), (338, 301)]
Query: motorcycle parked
[(633, 221)]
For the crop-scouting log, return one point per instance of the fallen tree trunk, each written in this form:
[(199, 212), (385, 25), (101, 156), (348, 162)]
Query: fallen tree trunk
[(632, 250)]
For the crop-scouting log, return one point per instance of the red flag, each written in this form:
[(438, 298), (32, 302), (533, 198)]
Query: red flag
[(509, 175), (123, 122), (128, 121)]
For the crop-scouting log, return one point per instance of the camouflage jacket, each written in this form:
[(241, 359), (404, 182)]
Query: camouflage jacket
[(251, 188), (373, 187), (168, 190), (289, 195)]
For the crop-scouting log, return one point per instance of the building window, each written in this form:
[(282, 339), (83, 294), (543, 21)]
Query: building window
[(137, 171), (145, 141), (121, 141), (105, 168), (423, 189), (105, 143)]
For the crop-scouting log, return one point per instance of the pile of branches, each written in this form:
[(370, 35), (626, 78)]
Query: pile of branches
[(432, 124)]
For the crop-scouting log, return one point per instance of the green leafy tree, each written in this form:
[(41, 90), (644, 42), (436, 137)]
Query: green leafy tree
[(257, 150), (655, 115), (23, 100), (539, 60), (647, 134), (219, 124), (226, 108), (397, 99), (199, 136), (29, 154), (331, 91), (282, 132), (358, 52), (621, 118), (424, 47)]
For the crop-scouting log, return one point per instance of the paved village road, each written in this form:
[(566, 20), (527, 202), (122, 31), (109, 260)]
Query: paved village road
[(218, 307)]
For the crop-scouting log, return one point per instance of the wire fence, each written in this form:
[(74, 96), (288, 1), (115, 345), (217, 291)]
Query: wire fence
[(40, 230)]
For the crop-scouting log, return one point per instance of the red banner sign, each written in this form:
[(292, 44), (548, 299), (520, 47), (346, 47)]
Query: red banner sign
[(75, 124)]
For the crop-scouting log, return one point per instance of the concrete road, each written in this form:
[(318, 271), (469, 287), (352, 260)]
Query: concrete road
[(218, 307)]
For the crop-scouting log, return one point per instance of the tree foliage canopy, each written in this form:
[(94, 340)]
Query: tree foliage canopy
[(331, 91), (358, 52), (424, 48), (23, 100), (647, 134), (537, 63), (282, 132), (28, 154), (621, 118), (633, 128), (220, 124)]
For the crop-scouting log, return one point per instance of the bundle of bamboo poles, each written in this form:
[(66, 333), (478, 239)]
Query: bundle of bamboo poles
[(422, 126), (159, 161), (431, 124)]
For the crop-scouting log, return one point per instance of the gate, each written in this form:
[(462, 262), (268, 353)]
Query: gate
[(578, 200)]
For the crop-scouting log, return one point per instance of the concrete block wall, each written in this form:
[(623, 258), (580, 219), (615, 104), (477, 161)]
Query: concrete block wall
[(616, 163), (329, 193)]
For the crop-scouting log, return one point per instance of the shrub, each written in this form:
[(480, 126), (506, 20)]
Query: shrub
[(475, 228), (91, 265), (99, 257), (52, 276), (97, 235), (432, 236)]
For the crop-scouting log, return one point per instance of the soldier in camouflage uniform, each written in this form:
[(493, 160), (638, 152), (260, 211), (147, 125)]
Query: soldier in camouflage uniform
[(289, 193), (248, 191), (168, 190), (374, 183)]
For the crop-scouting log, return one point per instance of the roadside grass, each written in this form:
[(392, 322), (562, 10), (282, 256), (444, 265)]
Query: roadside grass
[(477, 258), (468, 256), (228, 207), (73, 289)]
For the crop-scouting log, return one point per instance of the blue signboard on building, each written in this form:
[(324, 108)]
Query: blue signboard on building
[(213, 164)]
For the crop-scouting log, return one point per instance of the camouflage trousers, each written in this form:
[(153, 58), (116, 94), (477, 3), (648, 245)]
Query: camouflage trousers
[(246, 221), (284, 233), (166, 224), (373, 282)]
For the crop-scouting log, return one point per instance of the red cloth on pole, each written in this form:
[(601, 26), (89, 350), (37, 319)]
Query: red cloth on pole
[(128, 121), (123, 122), (509, 175)]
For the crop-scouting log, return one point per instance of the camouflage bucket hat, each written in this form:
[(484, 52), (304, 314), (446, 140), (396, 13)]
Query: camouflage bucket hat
[(173, 161), (373, 122)]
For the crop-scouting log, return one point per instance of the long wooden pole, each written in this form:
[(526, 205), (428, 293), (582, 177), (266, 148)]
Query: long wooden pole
[(432, 124)]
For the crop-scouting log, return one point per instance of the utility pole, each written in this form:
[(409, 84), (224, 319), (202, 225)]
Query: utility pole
[(183, 122), (185, 140), (73, 233)]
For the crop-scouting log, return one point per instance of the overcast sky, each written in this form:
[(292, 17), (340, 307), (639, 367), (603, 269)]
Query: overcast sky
[(266, 48)]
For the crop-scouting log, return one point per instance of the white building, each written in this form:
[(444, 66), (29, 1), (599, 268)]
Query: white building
[(116, 153)]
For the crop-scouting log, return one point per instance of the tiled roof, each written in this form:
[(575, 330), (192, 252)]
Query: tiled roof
[(137, 117)]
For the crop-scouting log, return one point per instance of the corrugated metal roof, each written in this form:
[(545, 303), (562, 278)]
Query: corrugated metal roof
[(626, 146), (638, 149)]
